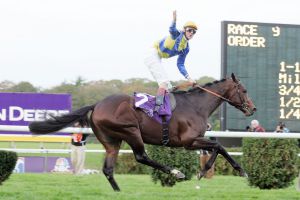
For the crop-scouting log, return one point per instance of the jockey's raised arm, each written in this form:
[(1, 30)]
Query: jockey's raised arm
[(176, 44)]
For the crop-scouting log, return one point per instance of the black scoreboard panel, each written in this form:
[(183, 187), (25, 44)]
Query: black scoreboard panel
[(266, 58)]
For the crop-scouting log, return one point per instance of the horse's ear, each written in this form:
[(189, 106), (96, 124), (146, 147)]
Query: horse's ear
[(233, 77)]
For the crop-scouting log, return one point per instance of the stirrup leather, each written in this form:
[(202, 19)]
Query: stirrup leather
[(159, 100)]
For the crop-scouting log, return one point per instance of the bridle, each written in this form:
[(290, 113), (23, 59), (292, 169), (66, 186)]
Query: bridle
[(244, 105)]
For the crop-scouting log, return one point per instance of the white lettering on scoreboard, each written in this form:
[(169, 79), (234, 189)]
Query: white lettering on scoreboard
[(16, 113), (289, 90), (247, 35)]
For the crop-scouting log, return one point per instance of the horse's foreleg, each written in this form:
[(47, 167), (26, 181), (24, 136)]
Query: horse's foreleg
[(216, 148), (205, 144)]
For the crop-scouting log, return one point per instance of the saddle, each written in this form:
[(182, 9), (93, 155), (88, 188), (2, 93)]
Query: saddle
[(146, 103)]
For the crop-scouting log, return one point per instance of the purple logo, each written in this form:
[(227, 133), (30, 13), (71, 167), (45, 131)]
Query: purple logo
[(23, 108)]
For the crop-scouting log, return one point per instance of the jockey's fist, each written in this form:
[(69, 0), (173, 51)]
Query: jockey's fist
[(174, 15), (191, 81)]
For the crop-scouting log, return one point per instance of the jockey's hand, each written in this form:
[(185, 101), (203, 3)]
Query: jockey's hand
[(192, 81), (174, 16)]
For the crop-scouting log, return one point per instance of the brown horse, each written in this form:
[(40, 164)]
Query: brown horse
[(115, 119)]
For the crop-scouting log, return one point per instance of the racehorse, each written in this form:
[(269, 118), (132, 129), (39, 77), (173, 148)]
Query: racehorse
[(115, 119)]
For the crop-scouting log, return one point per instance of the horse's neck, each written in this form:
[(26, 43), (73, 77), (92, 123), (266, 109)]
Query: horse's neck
[(206, 103)]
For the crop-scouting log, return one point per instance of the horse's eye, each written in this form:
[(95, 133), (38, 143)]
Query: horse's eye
[(245, 91)]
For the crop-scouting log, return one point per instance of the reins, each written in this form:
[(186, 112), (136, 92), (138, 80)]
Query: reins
[(244, 105), (213, 93)]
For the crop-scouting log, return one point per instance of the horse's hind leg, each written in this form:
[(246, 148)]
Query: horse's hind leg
[(112, 151), (208, 164), (141, 156)]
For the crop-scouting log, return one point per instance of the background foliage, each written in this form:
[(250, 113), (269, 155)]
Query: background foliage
[(8, 161), (85, 93), (270, 163), (178, 158)]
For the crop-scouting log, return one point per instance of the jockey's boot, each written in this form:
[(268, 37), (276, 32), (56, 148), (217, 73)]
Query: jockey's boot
[(159, 100)]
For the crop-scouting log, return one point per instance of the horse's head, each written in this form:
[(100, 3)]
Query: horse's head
[(239, 98)]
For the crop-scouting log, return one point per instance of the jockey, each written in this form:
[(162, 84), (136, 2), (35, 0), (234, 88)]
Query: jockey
[(174, 44)]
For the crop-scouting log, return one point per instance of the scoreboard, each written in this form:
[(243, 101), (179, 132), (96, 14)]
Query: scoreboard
[(266, 58)]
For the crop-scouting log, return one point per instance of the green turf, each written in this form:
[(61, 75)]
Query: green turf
[(140, 187)]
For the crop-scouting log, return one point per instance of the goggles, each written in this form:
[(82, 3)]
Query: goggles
[(190, 30)]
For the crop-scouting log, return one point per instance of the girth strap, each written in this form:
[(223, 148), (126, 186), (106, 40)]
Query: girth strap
[(165, 131)]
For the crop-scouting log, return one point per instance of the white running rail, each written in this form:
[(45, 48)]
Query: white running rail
[(208, 133)]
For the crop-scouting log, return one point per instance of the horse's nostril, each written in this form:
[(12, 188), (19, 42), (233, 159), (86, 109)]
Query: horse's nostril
[(254, 109)]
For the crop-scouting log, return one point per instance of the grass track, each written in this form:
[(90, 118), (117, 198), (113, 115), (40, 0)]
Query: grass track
[(139, 187)]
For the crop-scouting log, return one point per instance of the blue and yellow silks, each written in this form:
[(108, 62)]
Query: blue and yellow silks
[(172, 45)]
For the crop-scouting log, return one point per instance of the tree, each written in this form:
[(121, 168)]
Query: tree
[(5, 85), (22, 87), (79, 81)]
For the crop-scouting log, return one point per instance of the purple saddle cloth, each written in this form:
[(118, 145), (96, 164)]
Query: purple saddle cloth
[(146, 103)]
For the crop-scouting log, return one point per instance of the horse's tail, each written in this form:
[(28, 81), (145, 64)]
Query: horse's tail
[(59, 122)]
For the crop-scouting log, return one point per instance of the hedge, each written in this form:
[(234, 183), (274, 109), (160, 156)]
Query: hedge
[(270, 163), (185, 161), (8, 161), (127, 164)]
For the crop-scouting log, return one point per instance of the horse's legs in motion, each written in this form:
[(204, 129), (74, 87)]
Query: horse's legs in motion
[(233, 163), (112, 151), (208, 164), (141, 156), (216, 148)]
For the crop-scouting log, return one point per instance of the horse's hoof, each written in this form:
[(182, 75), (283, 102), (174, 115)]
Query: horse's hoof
[(200, 175), (178, 174), (243, 174)]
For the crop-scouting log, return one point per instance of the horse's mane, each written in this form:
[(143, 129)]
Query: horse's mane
[(197, 88)]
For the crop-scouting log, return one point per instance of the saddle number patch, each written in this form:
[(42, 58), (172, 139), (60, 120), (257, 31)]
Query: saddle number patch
[(143, 99)]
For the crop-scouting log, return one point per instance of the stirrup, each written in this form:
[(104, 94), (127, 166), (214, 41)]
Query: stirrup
[(156, 108), (159, 100)]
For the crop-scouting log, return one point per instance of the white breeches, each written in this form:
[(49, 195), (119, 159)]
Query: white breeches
[(153, 62)]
